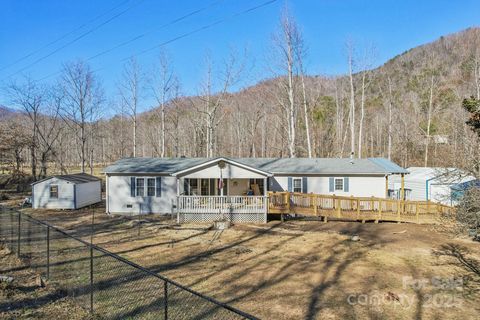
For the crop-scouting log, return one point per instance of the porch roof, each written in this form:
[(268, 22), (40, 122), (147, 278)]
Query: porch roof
[(269, 166)]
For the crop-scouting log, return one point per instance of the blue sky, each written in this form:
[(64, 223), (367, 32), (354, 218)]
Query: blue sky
[(391, 26)]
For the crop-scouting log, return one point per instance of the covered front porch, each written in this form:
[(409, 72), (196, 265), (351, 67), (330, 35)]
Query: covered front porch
[(222, 189)]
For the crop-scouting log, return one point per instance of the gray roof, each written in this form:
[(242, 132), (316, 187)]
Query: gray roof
[(272, 165), (77, 178)]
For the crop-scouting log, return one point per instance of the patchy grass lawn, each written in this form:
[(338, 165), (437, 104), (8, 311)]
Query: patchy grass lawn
[(25, 299), (300, 269)]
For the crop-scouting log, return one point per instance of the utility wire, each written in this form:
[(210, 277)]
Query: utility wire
[(28, 55), (83, 35), (207, 26), (154, 30)]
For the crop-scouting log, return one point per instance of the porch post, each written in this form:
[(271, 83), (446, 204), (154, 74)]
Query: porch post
[(178, 200), (178, 187), (265, 186), (386, 186), (402, 188)]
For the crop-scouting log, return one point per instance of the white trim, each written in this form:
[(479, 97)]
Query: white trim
[(335, 179), (50, 191), (207, 163), (301, 184)]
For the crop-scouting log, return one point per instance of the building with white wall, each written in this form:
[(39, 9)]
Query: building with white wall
[(72, 191), (154, 185), (429, 184)]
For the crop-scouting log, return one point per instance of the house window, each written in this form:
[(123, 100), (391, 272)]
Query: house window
[(339, 184), (54, 191), (297, 185), (259, 183), (151, 187), (204, 187), (140, 185), (193, 187)]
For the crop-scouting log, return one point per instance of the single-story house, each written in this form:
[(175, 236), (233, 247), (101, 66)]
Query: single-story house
[(71, 191), (198, 188), (429, 184)]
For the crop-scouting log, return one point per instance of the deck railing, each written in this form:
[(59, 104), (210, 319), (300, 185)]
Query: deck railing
[(357, 208), (222, 204)]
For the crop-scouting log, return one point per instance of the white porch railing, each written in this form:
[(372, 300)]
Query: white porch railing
[(222, 204)]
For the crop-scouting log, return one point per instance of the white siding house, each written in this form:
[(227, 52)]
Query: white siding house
[(427, 183), (159, 185), (72, 191)]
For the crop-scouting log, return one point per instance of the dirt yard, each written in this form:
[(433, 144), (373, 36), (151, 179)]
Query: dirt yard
[(301, 269), (24, 298)]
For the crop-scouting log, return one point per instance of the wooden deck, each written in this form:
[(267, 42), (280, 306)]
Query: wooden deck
[(358, 209)]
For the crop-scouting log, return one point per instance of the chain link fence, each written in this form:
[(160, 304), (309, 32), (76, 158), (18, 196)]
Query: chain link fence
[(107, 285)]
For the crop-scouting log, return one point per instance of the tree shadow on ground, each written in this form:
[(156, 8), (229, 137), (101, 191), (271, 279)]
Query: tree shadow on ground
[(462, 258)]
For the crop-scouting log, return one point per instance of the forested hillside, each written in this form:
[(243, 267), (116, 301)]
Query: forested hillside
[(408, 109)]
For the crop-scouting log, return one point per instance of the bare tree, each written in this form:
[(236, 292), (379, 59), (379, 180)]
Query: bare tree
[(14, 138), (29, 96), (288, 45), (129, 88), (163, 82), (49, 129), (81, 103), (212, 102), (365, 80), (350, 54)]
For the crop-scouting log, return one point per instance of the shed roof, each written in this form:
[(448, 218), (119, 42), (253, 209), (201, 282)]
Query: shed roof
[(444, 175), (272, 165), (76, 178)]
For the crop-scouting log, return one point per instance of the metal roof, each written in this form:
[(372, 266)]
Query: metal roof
[(272, 165), (77, 178)]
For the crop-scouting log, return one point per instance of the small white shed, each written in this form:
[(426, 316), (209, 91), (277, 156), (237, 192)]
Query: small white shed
[(72, 191)]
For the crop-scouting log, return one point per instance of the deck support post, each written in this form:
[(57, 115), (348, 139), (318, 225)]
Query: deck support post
[(379, 210), (287, 201), (339, 208), (416, 212), (358, 209)]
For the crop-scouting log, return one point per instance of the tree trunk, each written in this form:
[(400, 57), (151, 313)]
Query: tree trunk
[(291, 111), (362, 116), (352, 106), (429, 121), (83, 142), (305, 110), (134, 134), (390, 111)]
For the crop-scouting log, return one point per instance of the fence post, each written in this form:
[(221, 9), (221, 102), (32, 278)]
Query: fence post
[(165, 294), (48, 252), (18, 233), (315, 209), (91, 279)]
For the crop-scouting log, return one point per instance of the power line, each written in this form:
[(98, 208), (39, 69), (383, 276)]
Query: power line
[(77, 38), (154, 30), (207, 26), (28, 55)]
